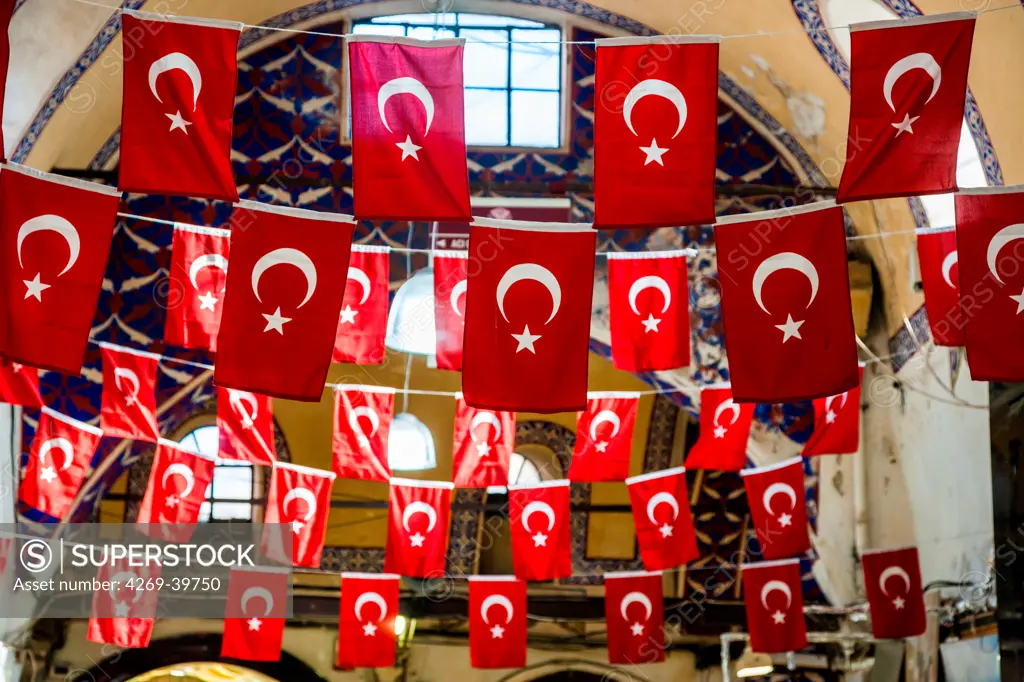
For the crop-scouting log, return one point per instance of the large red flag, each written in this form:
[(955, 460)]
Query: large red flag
[(836, 424), (604, 437), (482, 446), (418, 527), (176, 490), (301, 498), (408, 129), (178, 105), (778, 507), (277, 332), (775, 606), (541, 538), (128, 404), (123, 610), (366, 623), (364, 311), (56, 235), (724, 431), (19, 385), (669, 181), (199, 271), (786, 311), (62, 453), (528, 311), (635, 613), (451, 270), (661, 514), (6, 12), (908, 82), (497, 622), (245, 425), (257, 603), (937, 255), (892, 580), (362, 422)]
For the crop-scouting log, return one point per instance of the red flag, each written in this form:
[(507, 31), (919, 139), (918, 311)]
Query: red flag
[(408, 129), (635, 612), (786, 312), (279, 323), (300, 497), (520, 354), (257, 604), (836, 424), (364, 312), (176, 489), (6, 12), (497, 622), (724, 431), (451, 270), (62, 453), (19, 385), (892, 580), (362, 422), (541, 540), (123, 614), (908, 82), (128, 405), (178, 105), (55, 243), (245, 424), (418, 527), (661, 513), (648, 304), (604, 438), (199, 271), (366, 624), (775, 606), (778, 507), (670, 180), (482, 447), (937, 255)]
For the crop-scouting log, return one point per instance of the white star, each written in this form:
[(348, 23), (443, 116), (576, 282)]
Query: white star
[(348, 316), (898, 603), (830, 417), (171, 501), (483, 449), (666, 531), (904, 125), (297, 526), (48, 474), (526, 340), (35, 287), (720, 431), (177, 122), (408, 148), (779, 617), (207, 301), (637, 629), (785, 520), (129, 400), (17, 366), (650, 324), (254, 624), (369, 630), (1019, 299), (497, 631), (276, 322), (416, 540), (654, 153), (540, 540), (791, 329), (602, 446), (121, 610)]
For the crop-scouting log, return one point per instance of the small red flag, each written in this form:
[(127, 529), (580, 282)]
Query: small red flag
[(19, 385), (62, 453), (408, 129), (124, 612), (366, 624), (176, 489), (362, 422), (635, 612), (418, 527), (892, 580), (257, 603), (364, 310), (199, 272), (670, 180), (301, 498), (775, 606), (128, 404), (497, 622), (661, 513), (541, 539), (778, 507), (724, 431), (178, 106), (482, 446), (836, 424), (451, 270), (908, 83), (604, 437), (245, 424), (937, 255)]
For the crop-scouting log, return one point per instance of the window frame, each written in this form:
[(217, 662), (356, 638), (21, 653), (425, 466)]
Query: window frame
[(255, 503)]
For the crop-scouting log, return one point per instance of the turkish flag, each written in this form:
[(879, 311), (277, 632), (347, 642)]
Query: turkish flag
[(366, 623), (124, 613), (408, 129), (56, 235), (418, 527), (937, 256), (528, 307), (61, 455), (19, 385), (497, 622), (362, 422), (661, 513), (128, 404), (299, 497), (284, 294), (778, 507), (541, 540), (786, 311), (724, 431), (648, 305), (604, 438), (6, 12), (451, 270), (245, 424), (364, 311), (836, 424), (669, 180), (176, 489), (775, 606), (635, 613), (908, 82), (178, 106), (257, 603), (195, 299), (892, 580), (482, 446)]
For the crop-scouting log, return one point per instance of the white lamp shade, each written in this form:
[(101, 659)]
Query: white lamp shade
[(411, 326)]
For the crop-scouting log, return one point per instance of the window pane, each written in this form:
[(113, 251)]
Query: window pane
[(232, 511), (534, 65), (233, 482), (430, 33), (535, 119), (378, 30), (204, 512), (424, 19), (494, 20), (486, 122), (206, 440), (485, 65)]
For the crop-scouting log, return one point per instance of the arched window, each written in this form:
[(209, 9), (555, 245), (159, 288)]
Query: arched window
[(229, 496), (521, 471)]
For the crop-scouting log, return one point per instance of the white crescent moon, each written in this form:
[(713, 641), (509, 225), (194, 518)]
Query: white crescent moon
[(775, 586), (410, 86), (894, 571), (179, 469), (919, 60), (605, 417), (207, 260), (636, 598), (538, 506), (53, 223), (842, 401), (290, 257), (537, 273), (364, 281), (356, 413), (1001, 239), (370, 598), (457, 290), (239, 400), (418, 507), (787, 260), (485, 418), (653, 86), (951, 259), (304, 494), (128, 375), (650, 282), (176, 60), (727, 404), (62, 444), (261, 592), (778, 489), (121, 579), (496, 600), (662, 498)]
